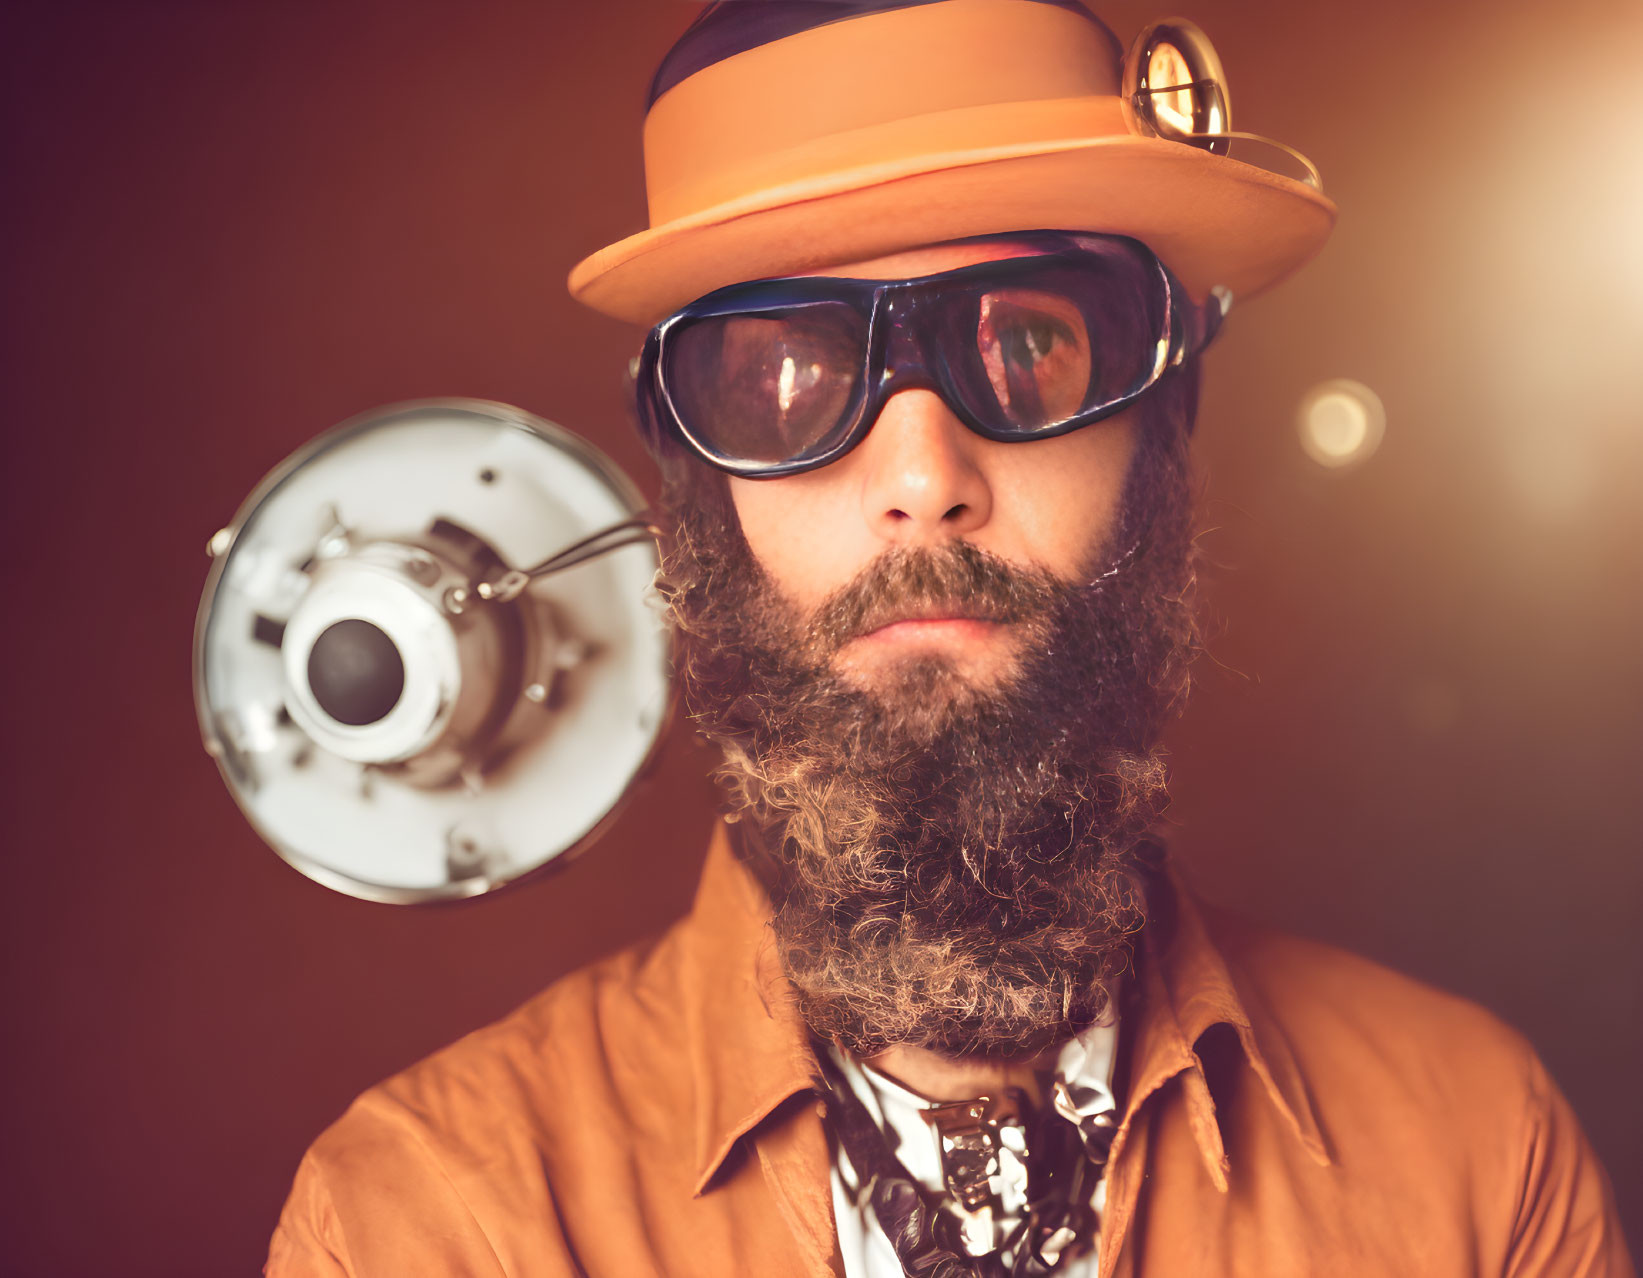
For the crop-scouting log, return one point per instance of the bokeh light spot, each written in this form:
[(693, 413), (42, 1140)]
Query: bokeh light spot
[(1340, 423)]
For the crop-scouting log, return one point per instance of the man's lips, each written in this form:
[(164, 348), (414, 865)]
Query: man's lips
[(934, 627)]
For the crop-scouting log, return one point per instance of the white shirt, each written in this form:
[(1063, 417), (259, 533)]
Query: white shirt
[(1085, 1063)]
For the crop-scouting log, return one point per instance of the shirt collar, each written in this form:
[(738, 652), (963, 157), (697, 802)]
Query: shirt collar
[(749, 1048), (1187, 986), (750, 1053)]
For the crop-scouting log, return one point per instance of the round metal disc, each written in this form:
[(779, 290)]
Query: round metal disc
[(1173, 86), (528, 489)]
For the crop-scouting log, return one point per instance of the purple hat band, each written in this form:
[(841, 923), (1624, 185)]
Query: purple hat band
[(728, 27)]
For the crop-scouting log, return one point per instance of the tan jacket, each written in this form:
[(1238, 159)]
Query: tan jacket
[(1292, 1110)]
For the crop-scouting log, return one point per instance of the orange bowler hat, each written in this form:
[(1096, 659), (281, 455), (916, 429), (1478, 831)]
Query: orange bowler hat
[(785, 136)]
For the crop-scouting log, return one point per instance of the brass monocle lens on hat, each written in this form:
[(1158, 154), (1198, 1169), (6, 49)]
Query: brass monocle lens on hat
[(1174, 88)]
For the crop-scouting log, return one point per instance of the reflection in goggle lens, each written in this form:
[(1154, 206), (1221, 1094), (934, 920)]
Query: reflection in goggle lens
[(768, 386), (1036, 350)]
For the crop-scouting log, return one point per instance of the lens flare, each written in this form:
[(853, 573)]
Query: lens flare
[(1340, 423)]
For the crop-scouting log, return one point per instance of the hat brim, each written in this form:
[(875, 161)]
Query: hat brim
[(1213, 220)]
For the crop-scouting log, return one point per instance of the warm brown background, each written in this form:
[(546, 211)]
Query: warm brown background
[(229, 225)]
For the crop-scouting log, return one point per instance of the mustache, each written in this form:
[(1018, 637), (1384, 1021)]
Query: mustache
[(953, 580)]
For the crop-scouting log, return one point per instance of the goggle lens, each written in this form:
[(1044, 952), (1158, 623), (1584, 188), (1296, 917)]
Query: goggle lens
[(1082, 335), (768, 386), (1035, 349)]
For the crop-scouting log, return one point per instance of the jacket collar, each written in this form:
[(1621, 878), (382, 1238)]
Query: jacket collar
[(750, 1053)]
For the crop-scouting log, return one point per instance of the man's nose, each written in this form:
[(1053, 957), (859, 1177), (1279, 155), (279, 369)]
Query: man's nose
[(923, 483)]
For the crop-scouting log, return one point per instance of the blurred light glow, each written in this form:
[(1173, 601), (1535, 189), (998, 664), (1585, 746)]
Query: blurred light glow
[(1553, 471), (1340, 423)]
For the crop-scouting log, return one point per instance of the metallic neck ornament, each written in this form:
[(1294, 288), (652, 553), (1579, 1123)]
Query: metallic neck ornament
[(972, 1229), (977, 1138)]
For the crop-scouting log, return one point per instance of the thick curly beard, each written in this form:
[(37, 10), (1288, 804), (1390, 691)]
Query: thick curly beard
[(952, 867)]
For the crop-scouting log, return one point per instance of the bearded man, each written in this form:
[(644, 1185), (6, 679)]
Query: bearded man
[(928, 296)]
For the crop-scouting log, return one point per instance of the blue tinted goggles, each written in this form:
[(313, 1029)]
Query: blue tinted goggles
[(778, 376)]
